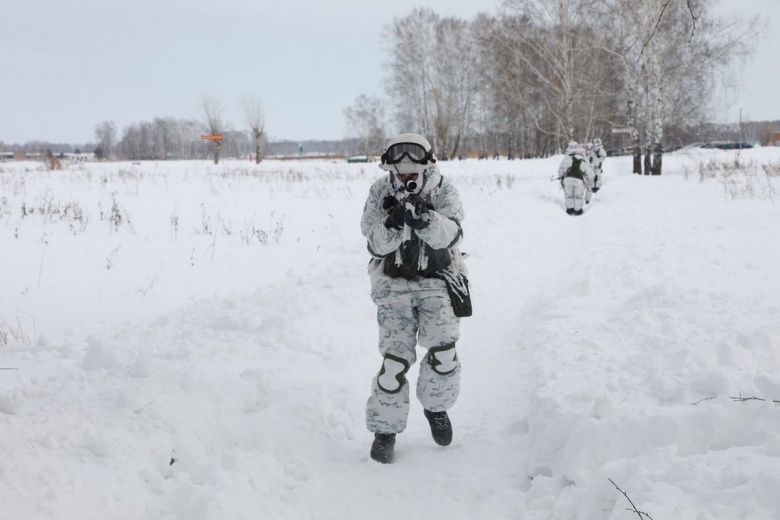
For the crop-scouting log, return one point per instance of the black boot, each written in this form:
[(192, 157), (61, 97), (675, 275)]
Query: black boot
[(441, 428), (382, 448), (570, 211), (578, 212)]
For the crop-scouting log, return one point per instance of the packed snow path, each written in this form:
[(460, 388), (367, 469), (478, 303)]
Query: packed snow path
[(609, 346)]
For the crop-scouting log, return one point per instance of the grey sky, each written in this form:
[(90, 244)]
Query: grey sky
[(758, 98), (66, 65)]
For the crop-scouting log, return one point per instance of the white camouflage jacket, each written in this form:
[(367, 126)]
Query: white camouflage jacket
[(585, 168), (409, 253)]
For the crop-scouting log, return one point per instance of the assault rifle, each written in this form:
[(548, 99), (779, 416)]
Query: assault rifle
[(411, 201), (415, 204)]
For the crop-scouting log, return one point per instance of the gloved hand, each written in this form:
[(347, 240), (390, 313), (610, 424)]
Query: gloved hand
[(417, 215), (395, 216), (389, 202)]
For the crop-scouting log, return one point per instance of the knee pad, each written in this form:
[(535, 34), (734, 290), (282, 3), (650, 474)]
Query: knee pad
[(444, 359), (392, 375)]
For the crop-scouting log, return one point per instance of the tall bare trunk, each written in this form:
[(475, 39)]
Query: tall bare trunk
[(657, 99), (217, 151), (632, 118)]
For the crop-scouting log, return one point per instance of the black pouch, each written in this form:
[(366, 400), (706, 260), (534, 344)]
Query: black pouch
[(459, 298)]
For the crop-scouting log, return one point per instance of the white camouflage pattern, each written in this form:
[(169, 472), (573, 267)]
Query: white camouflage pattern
[(413, 311), (423, 314), (574, 189)]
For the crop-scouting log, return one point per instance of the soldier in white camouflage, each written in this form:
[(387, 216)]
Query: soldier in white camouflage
[(575, 176), (599, 154), (412, 221)]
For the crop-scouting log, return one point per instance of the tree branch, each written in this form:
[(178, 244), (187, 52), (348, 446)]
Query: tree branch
[(660, 17), (657, 24), (693, 18), (641, 514), (741, 399)]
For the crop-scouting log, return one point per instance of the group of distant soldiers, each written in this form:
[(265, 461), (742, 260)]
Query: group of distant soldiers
[(580, 174)]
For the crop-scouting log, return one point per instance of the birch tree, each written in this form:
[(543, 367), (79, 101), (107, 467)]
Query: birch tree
[(432, 77), (673, 53), (552, 60)]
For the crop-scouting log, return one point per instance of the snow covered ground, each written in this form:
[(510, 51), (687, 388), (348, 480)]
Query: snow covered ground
[(183, 340)]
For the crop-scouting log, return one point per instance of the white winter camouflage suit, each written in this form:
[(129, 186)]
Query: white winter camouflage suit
[(599, 154), (413, 308), (574, 187)]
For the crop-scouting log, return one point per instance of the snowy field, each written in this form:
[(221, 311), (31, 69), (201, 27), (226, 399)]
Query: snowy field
[(190, 341)]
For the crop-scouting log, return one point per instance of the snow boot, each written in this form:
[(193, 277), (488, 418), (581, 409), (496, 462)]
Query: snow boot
[(578, 212), (595, 189), (382, 448), (570, 211), (441, 428)]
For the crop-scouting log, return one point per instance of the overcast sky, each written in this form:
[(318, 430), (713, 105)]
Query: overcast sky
[(66, 65)]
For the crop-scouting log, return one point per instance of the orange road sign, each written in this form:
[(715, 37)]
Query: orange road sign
[(217, 137)]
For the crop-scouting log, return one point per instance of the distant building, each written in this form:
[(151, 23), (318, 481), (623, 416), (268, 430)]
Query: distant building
[(775, 139)]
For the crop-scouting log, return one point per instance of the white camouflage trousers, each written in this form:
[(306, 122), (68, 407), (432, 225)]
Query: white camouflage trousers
[(408, 312), (597, 178), (596, 186), (574, 191)]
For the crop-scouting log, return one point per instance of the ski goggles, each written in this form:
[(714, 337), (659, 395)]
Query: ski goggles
[(415, 152)]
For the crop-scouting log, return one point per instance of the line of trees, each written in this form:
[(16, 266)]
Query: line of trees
[(167, 138), (545, 72), (172, 138)]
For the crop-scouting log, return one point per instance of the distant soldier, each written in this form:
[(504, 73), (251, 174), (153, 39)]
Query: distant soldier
[(599, 154), (589, 155), (576, 176)]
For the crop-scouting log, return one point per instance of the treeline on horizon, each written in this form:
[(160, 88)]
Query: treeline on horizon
[(240, 145), (237, 145)]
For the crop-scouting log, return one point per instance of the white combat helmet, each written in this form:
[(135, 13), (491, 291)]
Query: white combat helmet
[(406, 154)]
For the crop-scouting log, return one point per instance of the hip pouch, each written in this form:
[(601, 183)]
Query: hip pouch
[(460, 296)]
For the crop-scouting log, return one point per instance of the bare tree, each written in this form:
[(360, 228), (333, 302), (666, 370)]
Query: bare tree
[(255, 118), (366, 121), (672, 53), (624, 41), (212, 111), (432, 77), (106, 136), (408, 84), (554, 43), (505, 90)]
